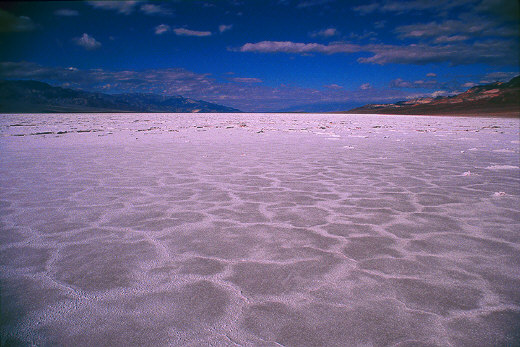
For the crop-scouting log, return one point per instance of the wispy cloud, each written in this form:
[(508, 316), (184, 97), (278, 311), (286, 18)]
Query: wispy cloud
[(329, 32), (453, 38), (88, 42), (188, 32), (428, 84), (363, 35), (455, 30), (65, 12), (162, 28), (401, 6), (476, 19), (155, 10), (441, 93), (367, 8), (502, 52), (312, 3), (503, 8), (451, 86), (11, 23), (123, 7), (469, 84), (246, 80), (297, 47), (127, 7), (246, 94), (400, 83), (495, 53), (333, 86), (223, 27), (484, 31), (497, 76), (164, 81)]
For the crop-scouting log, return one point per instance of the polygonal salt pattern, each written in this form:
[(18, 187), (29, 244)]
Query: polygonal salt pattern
[(258, 229)]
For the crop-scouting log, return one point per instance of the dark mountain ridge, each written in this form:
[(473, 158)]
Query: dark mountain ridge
[(495, 99), (39, 97)]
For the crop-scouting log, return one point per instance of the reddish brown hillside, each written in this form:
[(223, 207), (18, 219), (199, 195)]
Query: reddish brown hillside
[(494, 99)]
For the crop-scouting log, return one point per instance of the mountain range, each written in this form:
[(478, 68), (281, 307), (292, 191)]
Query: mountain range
[(494, 99), (23, 96), (39, 97)]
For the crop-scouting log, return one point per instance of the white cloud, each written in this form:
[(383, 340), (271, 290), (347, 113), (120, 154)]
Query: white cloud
[(187, 32), (222, 28), (494, 52), (431, 74), (65, 12), (88, 42), (296, 47), (365, 86), (469, 85), (325, 33), (162, 28), (124, 7)]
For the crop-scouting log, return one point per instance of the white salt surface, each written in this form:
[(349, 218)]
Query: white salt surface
[(502, 167), (241, 229)]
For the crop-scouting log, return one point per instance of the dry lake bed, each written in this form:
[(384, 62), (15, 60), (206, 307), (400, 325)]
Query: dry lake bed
[(259, 230)]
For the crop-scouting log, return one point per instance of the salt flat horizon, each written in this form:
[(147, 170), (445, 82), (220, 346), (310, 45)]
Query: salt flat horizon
[(259, 229)]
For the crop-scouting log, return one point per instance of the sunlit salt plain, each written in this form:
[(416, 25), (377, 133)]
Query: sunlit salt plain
[(259, 230)]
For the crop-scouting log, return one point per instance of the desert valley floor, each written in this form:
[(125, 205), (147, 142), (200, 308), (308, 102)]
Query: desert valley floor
[(259, 230)]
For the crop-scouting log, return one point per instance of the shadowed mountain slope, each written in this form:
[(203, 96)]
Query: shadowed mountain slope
[(34, 96)]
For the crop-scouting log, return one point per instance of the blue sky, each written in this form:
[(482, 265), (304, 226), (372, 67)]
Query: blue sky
[(270, 55)]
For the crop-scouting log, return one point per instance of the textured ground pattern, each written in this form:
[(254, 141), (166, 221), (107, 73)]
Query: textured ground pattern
[(259, 230)]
